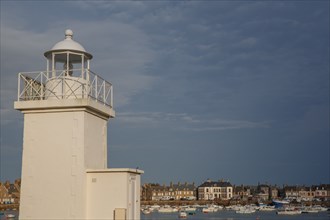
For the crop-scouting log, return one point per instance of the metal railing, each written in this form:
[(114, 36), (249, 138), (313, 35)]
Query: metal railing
[(60, 84)]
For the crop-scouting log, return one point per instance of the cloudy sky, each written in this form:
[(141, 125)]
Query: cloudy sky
[(235, 90)]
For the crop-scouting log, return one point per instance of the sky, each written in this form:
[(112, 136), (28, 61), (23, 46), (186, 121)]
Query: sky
[(232, 90)]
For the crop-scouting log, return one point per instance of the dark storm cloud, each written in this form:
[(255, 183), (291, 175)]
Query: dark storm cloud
[(223, 83)]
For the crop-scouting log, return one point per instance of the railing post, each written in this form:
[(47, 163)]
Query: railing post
[(53, 66), (47, 69), (62, 85), (42, 86), (104, 101), (88, 82), (19, 87), (82, 67), (96, 87)]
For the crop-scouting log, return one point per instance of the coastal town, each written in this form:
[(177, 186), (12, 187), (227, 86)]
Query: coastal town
[(218, 192)]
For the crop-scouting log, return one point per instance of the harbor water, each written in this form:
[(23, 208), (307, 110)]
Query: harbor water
[(221, 215), (231, 215)]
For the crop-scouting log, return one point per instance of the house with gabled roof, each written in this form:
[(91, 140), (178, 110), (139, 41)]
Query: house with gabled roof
[(4, 195), (9, 194), (322, 191), (291, 192), (177, 191), (13, 190), (241, 192), (183, 191), (213, 190)]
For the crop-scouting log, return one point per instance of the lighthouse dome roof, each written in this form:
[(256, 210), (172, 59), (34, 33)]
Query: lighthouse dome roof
[(68, 44)]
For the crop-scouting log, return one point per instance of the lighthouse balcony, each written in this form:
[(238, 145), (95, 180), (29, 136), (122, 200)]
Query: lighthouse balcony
[(63, 84)]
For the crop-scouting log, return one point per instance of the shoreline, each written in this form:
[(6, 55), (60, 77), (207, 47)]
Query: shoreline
[(222, 203)]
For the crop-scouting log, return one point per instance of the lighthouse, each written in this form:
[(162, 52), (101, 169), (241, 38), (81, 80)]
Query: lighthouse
[(64, 163)]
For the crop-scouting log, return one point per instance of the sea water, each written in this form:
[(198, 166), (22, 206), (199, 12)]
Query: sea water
[(224, 215), (231, 215)]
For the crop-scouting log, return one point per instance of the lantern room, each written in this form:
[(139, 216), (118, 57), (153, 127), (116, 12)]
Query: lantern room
[(68, 55), (67, 76)]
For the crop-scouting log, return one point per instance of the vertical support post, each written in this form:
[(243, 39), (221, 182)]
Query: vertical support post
[(42, 86), (67, 64), (53, 66), (82, 66), (84, 86), (62, 86), (88, 80), (88, 85), (47, 68), (104, 92), (19, 86), (96, 87)]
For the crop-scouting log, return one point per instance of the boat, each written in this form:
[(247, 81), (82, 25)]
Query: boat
[(182, 214), (205, 210), (188, 209), (167, 209), (288, 211), (309, 209), (10, 216), (211, 208), (154, 207), (280, 203), (320, 208), (146, 211), (234, 207), (267, 208), (246, 210)]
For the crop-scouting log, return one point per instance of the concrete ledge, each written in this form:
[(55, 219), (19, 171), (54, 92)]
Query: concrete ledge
[(115, 170), (64, 105)]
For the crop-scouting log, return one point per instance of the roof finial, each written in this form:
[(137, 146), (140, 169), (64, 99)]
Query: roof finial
[(68, 33)]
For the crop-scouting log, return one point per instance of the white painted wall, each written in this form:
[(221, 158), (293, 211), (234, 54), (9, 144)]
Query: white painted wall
[(95, 135), (64, 151), (53, 173), (110, 189)]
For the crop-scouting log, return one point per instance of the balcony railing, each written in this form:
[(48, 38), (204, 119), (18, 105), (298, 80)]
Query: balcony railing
[(74, 84)]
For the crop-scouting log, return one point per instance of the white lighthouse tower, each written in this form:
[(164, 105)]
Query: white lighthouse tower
[(64, 167)]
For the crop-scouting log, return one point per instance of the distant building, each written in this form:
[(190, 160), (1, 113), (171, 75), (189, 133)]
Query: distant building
[(291, 192), (322, 191), (263, 192), (10, 192), (146, 191), (179, 191), (305, 193), (241, 192), (14, 190), (4, 194), (159, 192), (274, 192), (211, 190)]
